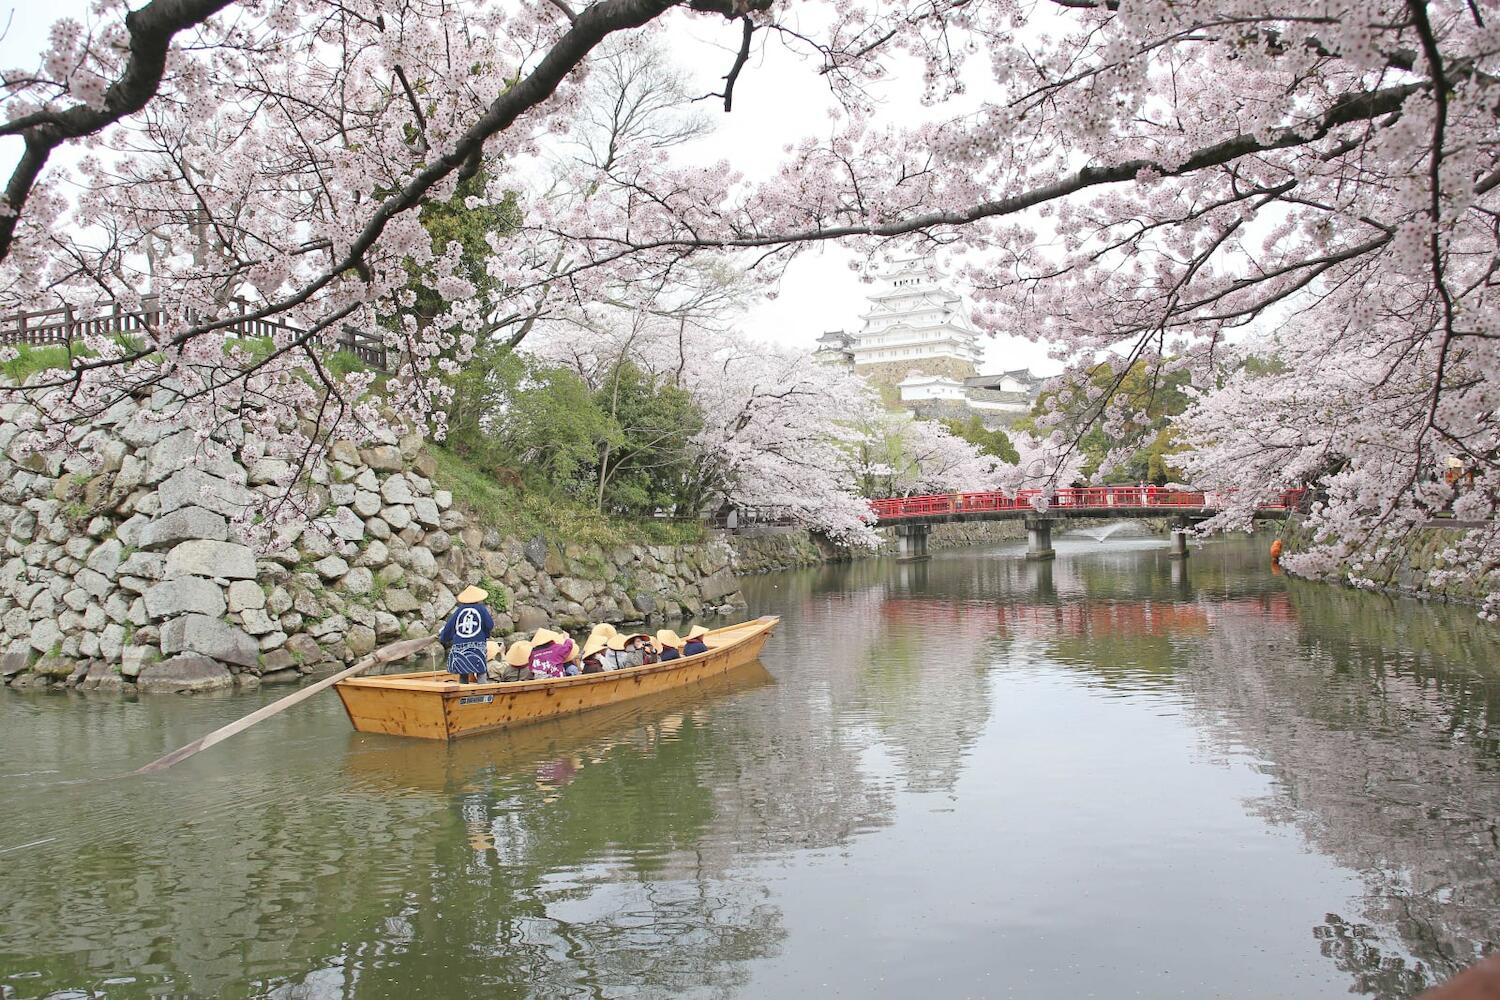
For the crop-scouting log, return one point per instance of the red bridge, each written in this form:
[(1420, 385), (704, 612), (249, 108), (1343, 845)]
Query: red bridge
[(913, 516)]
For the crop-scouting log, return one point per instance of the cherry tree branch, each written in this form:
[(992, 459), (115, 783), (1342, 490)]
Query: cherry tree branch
[(151, 30), (1349, 109)]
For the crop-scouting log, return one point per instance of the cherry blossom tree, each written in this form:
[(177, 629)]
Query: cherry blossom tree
[(896, 454), (1140, 182), (777, 426)]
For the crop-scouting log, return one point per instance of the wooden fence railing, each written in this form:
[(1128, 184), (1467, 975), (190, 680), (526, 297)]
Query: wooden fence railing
[(110, 319)]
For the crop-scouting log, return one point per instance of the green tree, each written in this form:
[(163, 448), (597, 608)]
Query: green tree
[(647, 465), (527, 421), (1155, 395), (452, 222), (989, 442), (624, 447)]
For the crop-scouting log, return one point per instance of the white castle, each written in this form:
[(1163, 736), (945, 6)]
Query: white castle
[(917, 338)]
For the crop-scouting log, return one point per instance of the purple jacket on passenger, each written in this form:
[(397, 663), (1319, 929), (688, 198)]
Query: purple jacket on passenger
[(552, 659)]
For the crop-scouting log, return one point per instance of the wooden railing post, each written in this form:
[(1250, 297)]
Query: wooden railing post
[(63, 325)]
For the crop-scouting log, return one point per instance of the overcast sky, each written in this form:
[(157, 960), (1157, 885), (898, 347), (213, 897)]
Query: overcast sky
[(778, 100)]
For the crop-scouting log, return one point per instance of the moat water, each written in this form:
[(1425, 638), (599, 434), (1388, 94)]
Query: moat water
[(1112, 776)]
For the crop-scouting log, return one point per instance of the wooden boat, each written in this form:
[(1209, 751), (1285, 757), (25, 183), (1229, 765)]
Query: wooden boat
[(389, 765), (433, 705)]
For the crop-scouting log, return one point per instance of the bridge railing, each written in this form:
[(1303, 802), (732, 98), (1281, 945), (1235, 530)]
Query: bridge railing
[(111, 319), (1092, 497)]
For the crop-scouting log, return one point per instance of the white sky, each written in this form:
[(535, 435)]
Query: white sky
[(779, 99)]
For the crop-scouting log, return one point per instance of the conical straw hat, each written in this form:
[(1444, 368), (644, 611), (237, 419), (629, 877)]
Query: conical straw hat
[(666, 637), (595, 644), (472, 595), (519, 653)]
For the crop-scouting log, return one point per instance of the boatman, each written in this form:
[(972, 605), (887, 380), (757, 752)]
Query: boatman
[(466, 634)]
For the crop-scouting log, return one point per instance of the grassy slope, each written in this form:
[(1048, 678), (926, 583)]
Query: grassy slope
[(521, 514)]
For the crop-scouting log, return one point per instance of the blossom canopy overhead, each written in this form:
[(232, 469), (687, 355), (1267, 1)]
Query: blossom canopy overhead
[(1134, 181)]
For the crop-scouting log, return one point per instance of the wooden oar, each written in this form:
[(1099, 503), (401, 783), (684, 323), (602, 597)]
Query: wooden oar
[(386, 654)]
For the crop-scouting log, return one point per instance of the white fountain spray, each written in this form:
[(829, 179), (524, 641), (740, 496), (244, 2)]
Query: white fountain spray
[(1099, 534)]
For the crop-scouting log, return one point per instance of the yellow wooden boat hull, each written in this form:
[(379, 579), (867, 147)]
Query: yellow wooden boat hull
[(434, 706), (390, 764)]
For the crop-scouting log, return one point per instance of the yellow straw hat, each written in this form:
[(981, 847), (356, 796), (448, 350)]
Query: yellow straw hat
[(617, 641), (472, 595), (605, 629), (546, 635), (492, 650), (666, 637), (595, 644), (695, 632), (519, 653)]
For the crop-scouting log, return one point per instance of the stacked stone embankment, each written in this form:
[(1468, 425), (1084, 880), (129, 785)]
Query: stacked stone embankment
[(134, 571), (757, 552), (1413, 568)]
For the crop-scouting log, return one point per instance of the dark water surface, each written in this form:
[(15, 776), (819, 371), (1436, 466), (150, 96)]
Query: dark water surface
[(973, 777)]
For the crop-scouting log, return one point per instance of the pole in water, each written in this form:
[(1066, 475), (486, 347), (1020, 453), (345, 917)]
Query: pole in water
[(386, 654)]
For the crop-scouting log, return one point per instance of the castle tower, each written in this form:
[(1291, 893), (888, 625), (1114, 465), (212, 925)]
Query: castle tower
[(915, 324)]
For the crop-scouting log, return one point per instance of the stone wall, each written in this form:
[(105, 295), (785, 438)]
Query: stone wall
[(137, 573), (892, 372), (964, 533), (1406, 568), (756, 553)]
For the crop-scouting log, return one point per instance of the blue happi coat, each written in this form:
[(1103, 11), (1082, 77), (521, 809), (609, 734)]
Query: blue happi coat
[(465, 633)]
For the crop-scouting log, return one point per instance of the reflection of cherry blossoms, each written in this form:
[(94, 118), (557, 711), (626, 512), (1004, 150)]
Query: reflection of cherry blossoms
[(1377, 730)]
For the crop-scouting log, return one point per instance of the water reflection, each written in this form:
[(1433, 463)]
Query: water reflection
[(1374, 717), (1378, 720), (952, 773)]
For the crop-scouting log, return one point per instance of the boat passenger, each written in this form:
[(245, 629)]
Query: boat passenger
[(593, 654), (626, 651), (642, 644), (616, 656), (517, 662), (465, 634), (696, 642), (669, 643), (551, 652), (605, 632)]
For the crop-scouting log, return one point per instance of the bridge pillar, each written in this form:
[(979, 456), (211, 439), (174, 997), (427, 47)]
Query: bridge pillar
[(1039, 538), (911, 542), (1179, 548)]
